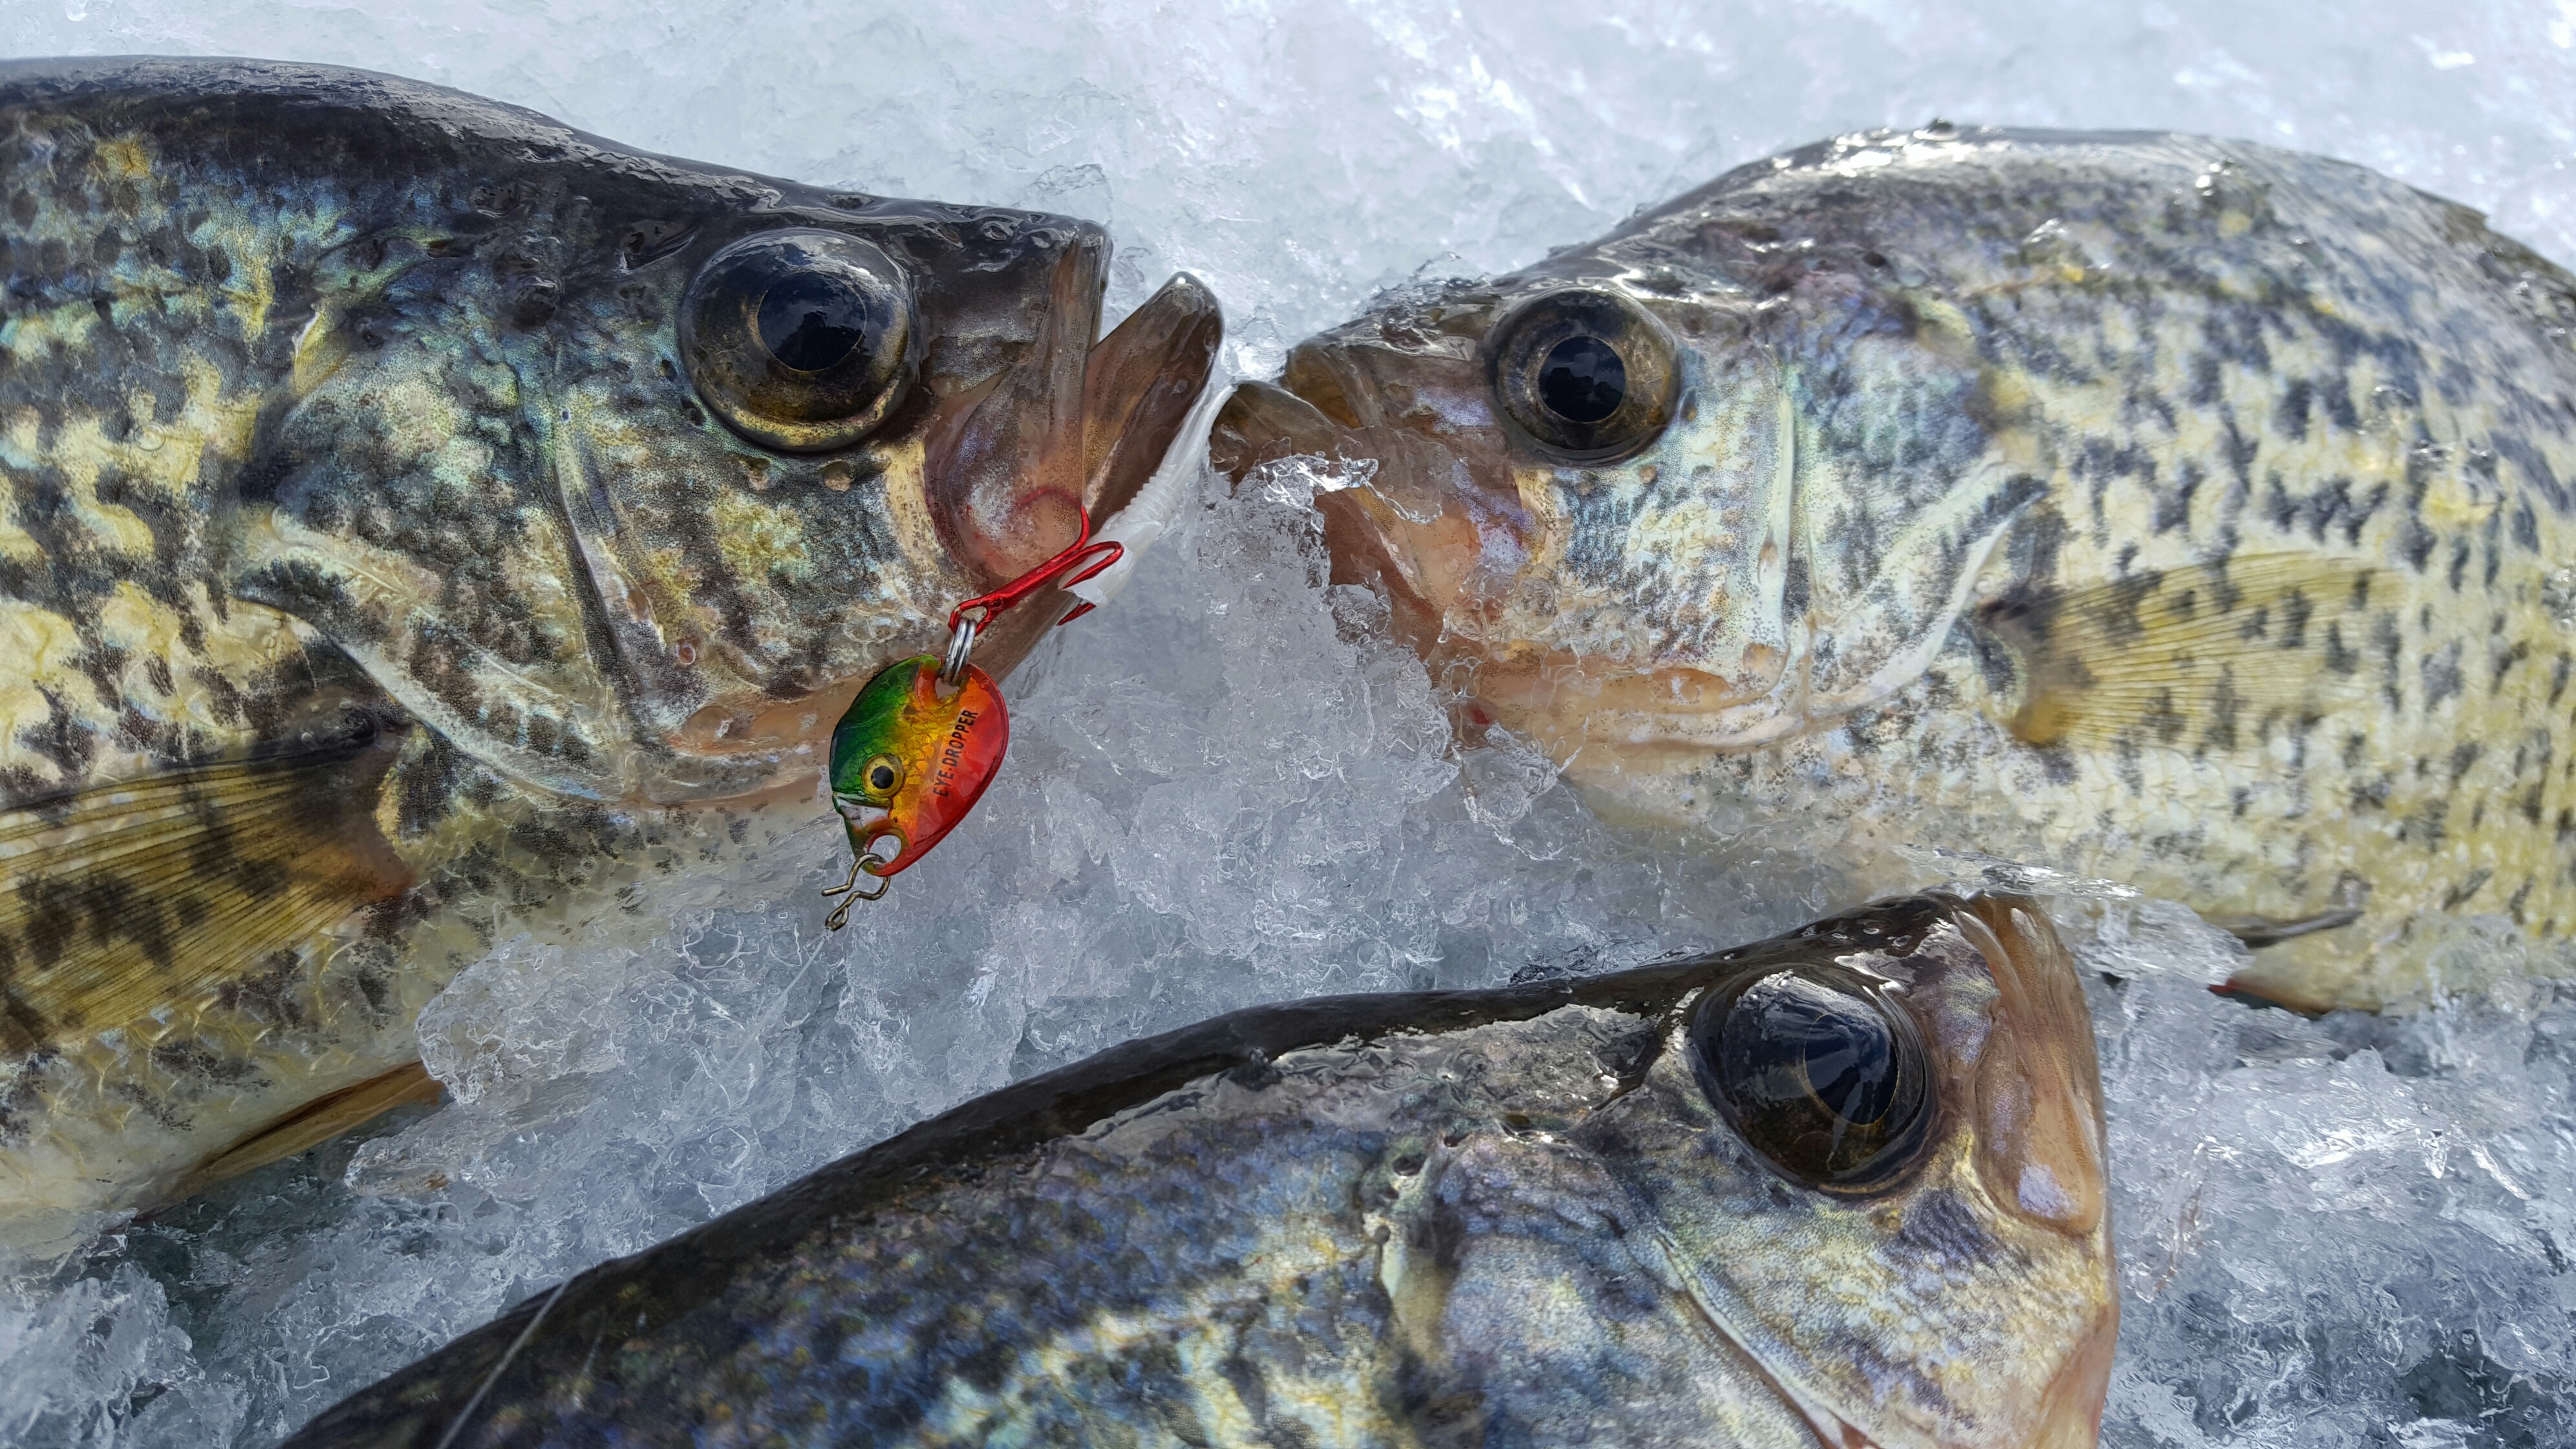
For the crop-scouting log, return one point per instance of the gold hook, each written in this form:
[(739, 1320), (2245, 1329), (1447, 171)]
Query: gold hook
[(850, 890)]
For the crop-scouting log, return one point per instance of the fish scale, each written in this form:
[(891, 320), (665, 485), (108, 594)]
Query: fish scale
[(2177, 510), (359, 485)]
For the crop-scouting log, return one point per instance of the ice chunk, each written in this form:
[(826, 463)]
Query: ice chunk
[(1226, 787), (2348, 1231)]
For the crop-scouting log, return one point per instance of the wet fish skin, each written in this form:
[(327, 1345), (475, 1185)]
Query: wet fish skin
[(2171, 509), (379, 582), (1496, 1217)]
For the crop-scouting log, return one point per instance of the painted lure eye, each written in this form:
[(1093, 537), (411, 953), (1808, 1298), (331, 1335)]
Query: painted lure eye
[(1816, 1070), (801, 339), (879, 777), (1587, 375)]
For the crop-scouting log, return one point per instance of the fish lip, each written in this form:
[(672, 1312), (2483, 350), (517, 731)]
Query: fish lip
[(1263, 422), (1328, 379)]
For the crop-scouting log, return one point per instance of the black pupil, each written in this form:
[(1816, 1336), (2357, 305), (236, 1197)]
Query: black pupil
[(811, 320), (1582, 380), (1790, 1038), (882, 777)]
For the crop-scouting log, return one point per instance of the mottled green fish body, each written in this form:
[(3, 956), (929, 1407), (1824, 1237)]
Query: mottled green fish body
[(386, 570), (2177, 510), (1511, 1217)]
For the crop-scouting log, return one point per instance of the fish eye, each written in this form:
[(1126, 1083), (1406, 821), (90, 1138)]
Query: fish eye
[(1586, 375), (881, 775), (799, 339), (1816, 1070)]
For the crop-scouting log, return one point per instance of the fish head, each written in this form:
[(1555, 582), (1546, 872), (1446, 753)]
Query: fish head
[(626, 472), (1571, 484), (1873, 1153), (807, 438), (1661, 495)]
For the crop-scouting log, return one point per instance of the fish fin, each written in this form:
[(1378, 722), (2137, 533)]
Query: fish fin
[(312, 1124), (2258, 932), (2211, 656), (2351, 893), (122, 899)]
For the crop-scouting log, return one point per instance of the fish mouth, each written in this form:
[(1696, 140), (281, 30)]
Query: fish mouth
[(1410, 507), (1428, 513), (1070, 439)]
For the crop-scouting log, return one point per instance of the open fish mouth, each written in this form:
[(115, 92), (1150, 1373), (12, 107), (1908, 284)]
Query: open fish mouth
[(1073, 442)]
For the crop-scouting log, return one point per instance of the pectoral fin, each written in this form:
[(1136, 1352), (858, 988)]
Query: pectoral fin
[(124, 899), (2200, 658), (312, 1124)]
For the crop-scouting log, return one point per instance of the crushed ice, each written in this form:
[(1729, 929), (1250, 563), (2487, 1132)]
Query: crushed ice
[(1228, 788)]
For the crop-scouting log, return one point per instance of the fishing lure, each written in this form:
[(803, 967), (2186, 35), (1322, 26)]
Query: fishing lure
[(915, 749)]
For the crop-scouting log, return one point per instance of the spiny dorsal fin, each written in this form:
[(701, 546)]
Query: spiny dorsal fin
[(122, 899), (2210, 656)]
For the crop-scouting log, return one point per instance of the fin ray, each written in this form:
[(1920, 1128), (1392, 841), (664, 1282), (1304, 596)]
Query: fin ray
[(2203, 657), (122, 899)]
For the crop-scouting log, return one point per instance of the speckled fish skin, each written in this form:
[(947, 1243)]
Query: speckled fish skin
[(2177, 510), (374, 585), (1499, 1217)]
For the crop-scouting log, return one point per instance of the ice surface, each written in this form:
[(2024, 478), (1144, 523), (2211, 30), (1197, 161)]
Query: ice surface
[(1227, 788)]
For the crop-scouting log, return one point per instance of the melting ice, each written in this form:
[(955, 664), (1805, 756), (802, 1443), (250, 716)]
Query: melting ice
[(1227, 788)]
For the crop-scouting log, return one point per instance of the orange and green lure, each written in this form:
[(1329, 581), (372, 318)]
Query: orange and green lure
[(908, 762), (914, 751)]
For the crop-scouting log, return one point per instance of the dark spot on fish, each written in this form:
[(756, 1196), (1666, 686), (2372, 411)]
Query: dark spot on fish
[(2441, 675), (2504, 661), (2173, 507), (2291, 414), (2463, 756), (1938, 1227), (2458, 895), (2428, 825)]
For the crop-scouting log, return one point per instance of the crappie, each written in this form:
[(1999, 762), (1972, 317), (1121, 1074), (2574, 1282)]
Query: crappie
[(2170, 509), (425, 524), (1844, 1187)]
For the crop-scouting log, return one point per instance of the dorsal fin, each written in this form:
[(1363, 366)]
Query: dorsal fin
[(123, 899), (2209, 656)]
